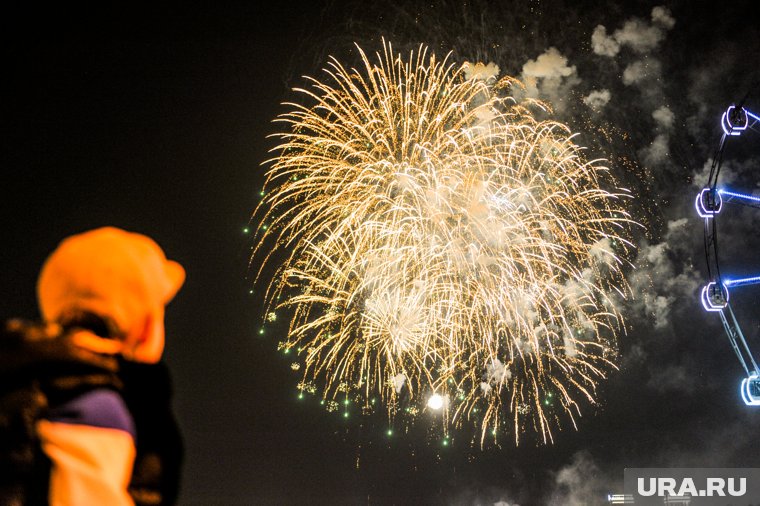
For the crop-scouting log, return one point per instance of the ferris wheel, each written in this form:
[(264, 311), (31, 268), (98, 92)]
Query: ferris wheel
[(715, 295)]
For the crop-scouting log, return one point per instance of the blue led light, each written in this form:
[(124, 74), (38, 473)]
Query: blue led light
[(742, 282), (744, 196), (714, 296), (751, 115)]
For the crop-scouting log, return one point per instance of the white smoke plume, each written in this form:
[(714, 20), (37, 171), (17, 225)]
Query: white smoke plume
[(580, 483), (603, 44), (731, 171), (550, 77), (398, 382), (597, 99), (641, 70), (661, 16), (635, 47), (497, 372), (637, 34), (659, 281), (664, 117), (480, 71), (657, 152)]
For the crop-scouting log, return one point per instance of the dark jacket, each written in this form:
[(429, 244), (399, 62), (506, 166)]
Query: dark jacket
[(44, 376)]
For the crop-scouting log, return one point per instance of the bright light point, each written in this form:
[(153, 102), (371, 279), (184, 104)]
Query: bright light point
[(261, 331), (435, 402), (493, 432), (300, 396), (445, 442), (390, 432), (345, 415), (322, 402), (246, 230), (287, 350), (346, 402)]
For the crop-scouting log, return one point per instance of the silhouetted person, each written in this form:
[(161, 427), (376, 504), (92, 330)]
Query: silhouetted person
[(85, 416)]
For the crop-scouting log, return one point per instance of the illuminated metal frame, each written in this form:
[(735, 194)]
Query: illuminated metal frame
[(703, 204), (743, 116), (711, 301), (715, 294), (746, 387)]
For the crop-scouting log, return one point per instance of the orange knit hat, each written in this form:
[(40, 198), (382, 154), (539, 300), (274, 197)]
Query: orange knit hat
[(112, 273)]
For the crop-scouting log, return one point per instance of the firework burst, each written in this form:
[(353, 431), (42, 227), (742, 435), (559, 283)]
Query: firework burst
[(432, 235)]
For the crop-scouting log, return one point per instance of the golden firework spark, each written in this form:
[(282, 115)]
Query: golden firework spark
[(433, 236)]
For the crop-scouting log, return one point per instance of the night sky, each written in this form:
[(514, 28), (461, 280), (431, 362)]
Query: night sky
[(156, 120)]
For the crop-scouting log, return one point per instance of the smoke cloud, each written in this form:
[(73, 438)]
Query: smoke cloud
[(549, 76), (597, 99)]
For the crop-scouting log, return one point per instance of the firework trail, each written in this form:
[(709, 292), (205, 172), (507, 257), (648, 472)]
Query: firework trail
[(432, 235)]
